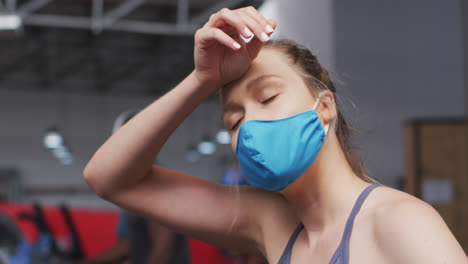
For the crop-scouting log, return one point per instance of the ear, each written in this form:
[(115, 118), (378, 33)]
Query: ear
[(327, 106)]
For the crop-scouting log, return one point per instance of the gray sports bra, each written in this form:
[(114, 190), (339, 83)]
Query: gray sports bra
[(341, 255)]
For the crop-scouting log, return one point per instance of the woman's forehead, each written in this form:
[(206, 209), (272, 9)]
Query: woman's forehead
[(268, 63)]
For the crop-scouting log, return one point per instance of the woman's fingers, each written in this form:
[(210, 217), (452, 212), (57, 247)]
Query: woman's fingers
[(273, 23), (265, 24), (243, 22), (256, 28), (224, 26), (229, 17), (206, 36)]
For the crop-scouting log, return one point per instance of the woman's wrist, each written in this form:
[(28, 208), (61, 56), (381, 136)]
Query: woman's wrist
[(205, 86)]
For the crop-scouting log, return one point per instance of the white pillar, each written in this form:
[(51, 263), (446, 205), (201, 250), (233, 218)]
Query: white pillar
[(308, 22)]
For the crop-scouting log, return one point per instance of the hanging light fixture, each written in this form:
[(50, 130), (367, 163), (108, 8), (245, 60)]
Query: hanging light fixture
[(223, 137), (54, 141), (9, 22), (63, 154), (206, 146)]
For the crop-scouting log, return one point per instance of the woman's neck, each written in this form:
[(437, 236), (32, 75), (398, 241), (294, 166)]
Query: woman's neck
[(326, 192)]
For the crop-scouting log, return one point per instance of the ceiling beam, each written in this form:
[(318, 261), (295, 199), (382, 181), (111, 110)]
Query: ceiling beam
[(182, 12), (205, 15), (31, 6), (10, 5), (97, 8), (109, 18), (157, 28)]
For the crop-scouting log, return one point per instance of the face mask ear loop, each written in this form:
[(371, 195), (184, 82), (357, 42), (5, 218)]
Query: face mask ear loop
[(315, 106), (316, 103), (326, 128)]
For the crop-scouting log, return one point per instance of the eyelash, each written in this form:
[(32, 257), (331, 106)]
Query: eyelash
[(264, 102), (269, 99), (236, 124)]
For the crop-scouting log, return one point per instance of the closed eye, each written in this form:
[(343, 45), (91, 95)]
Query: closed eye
[(269, 99), (236, 124)]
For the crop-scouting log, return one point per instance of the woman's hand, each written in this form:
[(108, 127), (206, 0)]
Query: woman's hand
[(221, 55)]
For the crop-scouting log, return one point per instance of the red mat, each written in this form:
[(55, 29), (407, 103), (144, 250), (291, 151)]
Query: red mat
[(97, 230)]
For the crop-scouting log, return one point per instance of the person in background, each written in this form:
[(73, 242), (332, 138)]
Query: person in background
[(233, 176), (119, 252), (152, 243)]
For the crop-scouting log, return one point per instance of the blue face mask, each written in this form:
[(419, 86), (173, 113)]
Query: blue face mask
[(274, 153)]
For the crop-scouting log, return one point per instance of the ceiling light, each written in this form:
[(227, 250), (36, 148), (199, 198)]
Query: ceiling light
[(53, 139), (223, 137), (61, 152), (206, 146), (9, 22)]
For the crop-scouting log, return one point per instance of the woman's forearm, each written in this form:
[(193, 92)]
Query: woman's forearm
[(127, 156)]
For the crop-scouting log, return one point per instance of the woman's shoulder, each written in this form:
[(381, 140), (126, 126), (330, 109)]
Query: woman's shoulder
[(396, 208), (409, 230), (387, 199)]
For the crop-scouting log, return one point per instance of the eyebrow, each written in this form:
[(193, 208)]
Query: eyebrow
[(228, 108), (255, 82)]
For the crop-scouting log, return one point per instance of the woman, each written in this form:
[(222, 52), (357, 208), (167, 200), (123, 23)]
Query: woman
[(292, 144)]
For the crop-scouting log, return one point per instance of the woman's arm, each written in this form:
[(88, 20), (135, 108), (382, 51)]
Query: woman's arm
[(122, 169), (412, 231), (127, 156)]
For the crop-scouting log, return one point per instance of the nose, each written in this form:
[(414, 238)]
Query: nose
[(252, 115)]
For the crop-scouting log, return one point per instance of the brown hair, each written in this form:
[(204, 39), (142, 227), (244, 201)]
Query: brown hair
[(316, 78)]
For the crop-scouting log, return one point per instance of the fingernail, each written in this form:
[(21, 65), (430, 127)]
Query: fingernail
[(236, 45), (247, 32), (268, 29), (265, 36)]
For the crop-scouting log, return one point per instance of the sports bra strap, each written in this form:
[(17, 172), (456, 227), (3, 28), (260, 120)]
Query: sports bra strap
[(343, 249), (285, 258)]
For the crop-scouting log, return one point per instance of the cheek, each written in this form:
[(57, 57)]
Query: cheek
[(285, 107), (298, 103), (234, 142)]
